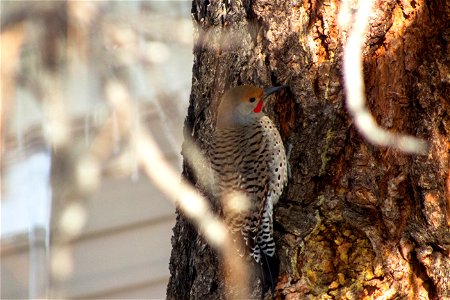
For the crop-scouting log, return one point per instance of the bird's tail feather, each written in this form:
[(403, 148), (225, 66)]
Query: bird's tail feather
[(270, 271)]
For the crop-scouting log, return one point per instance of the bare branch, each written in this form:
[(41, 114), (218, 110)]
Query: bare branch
[(184, 196), (354, 88)]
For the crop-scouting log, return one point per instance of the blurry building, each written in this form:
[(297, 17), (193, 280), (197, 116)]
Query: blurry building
[(124, 246)]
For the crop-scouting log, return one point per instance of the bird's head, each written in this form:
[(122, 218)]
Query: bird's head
[(243, 104)]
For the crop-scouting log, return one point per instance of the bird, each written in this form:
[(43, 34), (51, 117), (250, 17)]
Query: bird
[(249, 163)]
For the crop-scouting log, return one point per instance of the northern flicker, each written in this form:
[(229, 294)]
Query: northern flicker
[(250, 167)]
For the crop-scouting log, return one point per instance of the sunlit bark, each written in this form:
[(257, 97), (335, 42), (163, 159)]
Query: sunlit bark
[(356, 220)]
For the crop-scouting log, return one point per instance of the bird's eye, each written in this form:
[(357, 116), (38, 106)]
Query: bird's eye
[(252, 99)]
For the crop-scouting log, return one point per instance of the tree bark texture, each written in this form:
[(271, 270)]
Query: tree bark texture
[(356, 221)]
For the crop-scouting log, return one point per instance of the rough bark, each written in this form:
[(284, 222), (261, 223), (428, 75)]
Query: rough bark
[(356, 220)]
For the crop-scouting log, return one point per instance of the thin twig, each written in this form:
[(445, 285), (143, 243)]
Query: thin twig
[(354, 88), (193, 205)]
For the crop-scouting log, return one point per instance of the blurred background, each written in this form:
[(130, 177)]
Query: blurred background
[(79, 219)]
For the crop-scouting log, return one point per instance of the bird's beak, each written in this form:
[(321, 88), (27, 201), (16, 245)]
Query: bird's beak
[(270, 91)]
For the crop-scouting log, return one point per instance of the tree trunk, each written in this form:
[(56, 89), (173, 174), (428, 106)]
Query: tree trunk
[(355, 220)]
